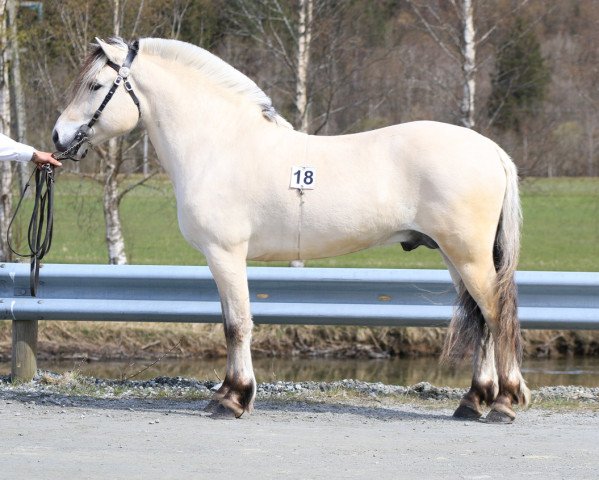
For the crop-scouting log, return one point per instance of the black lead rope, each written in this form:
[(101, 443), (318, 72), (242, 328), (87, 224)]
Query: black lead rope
[(39, 233)]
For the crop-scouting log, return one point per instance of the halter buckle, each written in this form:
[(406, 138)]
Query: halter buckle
[(118, 80)]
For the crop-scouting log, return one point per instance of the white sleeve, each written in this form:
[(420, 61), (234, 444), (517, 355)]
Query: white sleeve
[(11, 150)]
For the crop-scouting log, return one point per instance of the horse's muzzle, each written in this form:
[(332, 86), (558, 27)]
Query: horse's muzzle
[(76, 149)]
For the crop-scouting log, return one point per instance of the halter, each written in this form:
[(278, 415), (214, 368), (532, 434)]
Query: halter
[(123, 72)]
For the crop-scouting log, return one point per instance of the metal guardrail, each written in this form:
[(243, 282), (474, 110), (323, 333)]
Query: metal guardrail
[(315, 296)]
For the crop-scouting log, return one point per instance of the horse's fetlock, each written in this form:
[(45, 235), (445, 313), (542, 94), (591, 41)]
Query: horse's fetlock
[(237, 395), (524, 396), (487, 392)]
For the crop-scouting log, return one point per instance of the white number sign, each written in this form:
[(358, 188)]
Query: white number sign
[(302, 178)]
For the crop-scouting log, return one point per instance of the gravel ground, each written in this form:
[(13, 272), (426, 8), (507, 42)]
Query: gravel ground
[(74, 427)]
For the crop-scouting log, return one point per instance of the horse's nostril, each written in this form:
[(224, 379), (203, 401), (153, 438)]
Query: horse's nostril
[(55, 138)]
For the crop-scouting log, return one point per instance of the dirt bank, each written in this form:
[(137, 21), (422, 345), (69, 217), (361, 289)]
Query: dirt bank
[(108, 340)]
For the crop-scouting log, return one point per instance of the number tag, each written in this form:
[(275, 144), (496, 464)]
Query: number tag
[(302, 178)]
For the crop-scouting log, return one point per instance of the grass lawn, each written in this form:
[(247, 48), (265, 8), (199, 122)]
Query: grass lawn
[(561, 229)]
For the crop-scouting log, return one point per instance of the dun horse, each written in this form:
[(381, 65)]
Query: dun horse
[(250, 187)]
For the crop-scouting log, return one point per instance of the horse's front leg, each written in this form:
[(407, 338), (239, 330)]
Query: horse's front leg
[(239, 387)]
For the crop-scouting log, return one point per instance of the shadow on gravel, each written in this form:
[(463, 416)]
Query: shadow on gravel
[(401, 412), (196, 407)]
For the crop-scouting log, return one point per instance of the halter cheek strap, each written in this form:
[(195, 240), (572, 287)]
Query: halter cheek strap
[(122, 77)]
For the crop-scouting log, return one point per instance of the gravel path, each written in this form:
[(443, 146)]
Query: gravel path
[(63, 427)]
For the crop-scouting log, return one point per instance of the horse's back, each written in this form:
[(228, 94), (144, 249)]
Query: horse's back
[(400, 163), (434, 146)]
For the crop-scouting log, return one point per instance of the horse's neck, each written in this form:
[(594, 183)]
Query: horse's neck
[(190, 122)]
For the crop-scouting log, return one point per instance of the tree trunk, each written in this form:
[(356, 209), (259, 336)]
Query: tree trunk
[(116, 19), (469, 64), (20, 122), (5, 167), (115, 241), (303, 63)]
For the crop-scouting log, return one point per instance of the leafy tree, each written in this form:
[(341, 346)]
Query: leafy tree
[(520, 79)]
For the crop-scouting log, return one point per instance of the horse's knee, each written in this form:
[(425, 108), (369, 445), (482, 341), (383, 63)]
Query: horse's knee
[(238, 331)]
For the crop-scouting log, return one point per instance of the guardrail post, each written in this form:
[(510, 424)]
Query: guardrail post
[(24, 350)]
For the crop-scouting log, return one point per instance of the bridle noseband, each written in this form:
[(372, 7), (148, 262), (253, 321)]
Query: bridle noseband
[(123, 72)]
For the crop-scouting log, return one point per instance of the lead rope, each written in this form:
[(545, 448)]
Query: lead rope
[(41, 224)]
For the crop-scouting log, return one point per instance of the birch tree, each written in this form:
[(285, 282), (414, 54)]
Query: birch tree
[(115, 240), (451, 25), (20, 122), (306, 10), (5, 122), (459, 44), (468, 51)]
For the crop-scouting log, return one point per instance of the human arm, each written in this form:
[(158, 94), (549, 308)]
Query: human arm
[(19, 152)]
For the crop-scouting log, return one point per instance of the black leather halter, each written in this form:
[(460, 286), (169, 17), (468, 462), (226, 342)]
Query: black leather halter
[(123, 72), (122, 77)]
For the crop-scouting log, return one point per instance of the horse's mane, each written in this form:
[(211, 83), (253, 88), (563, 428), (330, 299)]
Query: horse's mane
[(217, 70)]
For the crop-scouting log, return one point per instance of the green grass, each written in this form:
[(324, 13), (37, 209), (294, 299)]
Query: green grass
[(561, 229), (561, 224)]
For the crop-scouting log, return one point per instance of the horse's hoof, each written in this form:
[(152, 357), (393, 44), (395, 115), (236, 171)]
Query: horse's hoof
[(496, 416), (466, 412), (220, 412), (225, 408), (212, 406), (233, 406)]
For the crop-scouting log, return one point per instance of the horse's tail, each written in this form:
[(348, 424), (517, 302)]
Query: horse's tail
[(506, 250), (468, 327)]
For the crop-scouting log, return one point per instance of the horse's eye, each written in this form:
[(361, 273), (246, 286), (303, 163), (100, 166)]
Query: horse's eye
[(95, 86)]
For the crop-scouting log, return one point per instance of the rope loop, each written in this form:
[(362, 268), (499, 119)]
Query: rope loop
[(41, 224)]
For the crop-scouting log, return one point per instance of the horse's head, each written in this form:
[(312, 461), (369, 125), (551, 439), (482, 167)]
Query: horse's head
[(103, 103)]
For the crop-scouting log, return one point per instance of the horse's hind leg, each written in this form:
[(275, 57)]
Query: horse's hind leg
[(484, 386), (470, 322), (496, 340), (238, 390)]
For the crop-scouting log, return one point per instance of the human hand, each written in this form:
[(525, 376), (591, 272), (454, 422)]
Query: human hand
[(41, 158)]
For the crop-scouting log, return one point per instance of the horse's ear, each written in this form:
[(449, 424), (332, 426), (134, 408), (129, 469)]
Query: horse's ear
[(113, 53)]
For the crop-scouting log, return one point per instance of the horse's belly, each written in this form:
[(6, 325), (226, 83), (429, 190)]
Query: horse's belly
[(310, 242), (306, 252), (329, 224), (341, 246)]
